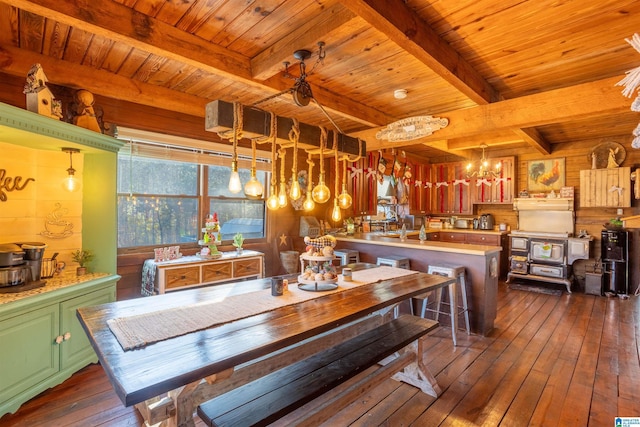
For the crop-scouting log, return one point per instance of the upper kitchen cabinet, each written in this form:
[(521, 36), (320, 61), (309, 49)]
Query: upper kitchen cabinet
[(98, 226), (498, 189), (450, 189), (362, 186), (421, 191), (605, 188)]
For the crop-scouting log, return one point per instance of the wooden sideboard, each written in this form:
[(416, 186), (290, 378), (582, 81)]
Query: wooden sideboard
[(193, 271)]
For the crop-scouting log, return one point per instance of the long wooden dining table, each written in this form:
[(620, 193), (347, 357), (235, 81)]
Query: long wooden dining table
[(167, 379)]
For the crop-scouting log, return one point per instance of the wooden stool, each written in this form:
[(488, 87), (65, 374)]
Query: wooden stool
[(347, 256), (459, 285)]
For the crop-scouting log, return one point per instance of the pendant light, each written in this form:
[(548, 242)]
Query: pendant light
[(309, 204), (336, 215), (282, 194), (344, 199), (253, 188), (235, 186), (294, 135), (272, 201), (321, 192), (71, 183)]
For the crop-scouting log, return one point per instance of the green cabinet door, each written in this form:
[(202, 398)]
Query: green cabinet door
[(76, 351), (30, 354)]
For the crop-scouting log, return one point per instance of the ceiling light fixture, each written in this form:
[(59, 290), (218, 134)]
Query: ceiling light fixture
[(294, 135), (321, 192), (272, 201), (71, 183), (400, 93), (235, 186), (253, 188), (483, 169), (282, 194), (336, 215), (309, 204)]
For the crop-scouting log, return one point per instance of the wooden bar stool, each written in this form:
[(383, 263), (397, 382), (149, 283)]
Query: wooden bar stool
[(347, 256), (459, 286)]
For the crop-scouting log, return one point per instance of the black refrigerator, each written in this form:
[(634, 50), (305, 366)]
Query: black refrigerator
[(615, 261)]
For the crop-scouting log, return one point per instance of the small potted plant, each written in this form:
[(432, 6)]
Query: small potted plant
[(82, 257), (238, 240)]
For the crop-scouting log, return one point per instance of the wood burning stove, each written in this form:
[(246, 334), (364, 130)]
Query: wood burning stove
[(542, 249)]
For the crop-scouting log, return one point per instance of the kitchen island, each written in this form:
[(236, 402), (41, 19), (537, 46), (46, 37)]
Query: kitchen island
[(482, 263)]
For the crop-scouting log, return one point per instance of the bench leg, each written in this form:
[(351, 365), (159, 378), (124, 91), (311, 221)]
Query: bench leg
[(417, 374)]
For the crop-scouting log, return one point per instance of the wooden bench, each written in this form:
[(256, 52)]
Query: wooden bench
[(270, 397)]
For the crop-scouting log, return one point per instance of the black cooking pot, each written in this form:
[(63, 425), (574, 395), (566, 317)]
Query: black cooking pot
[(11, 255)]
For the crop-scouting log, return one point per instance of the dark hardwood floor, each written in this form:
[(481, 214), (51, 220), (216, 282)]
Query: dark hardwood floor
[(570, 360)]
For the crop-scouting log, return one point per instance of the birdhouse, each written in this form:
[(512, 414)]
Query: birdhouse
[(39, 98)]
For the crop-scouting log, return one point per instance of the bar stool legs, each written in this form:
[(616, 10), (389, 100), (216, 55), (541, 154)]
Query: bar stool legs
[(459, 273), (399, 262)]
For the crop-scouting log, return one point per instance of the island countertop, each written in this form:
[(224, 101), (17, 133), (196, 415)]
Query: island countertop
[(457, 248)]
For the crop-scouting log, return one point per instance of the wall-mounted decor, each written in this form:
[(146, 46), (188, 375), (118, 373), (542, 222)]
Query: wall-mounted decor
[(39, 98), (545, 175), (56, 227), (608, 154), (8, 184)]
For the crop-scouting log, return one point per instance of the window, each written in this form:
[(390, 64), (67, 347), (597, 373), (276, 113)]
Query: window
[(159, 202)]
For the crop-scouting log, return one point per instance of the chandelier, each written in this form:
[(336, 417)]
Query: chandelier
[(482, 168)]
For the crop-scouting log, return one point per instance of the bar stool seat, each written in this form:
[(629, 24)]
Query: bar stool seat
[(459, 286), (347, 256), (394, 261)]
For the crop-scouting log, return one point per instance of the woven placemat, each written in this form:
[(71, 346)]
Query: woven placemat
[(142, 329)]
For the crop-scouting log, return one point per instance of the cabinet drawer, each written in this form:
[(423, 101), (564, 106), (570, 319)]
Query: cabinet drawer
[(248, 267), (178, 277), (217, 271), (452, 237), (483, 239)]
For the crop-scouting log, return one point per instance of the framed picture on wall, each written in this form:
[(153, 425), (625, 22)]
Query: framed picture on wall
[(545, 175)]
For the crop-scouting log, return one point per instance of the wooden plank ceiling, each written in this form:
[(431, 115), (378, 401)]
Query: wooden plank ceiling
[(510, 72)]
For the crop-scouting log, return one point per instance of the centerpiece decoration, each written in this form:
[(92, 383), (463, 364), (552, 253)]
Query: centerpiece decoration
[(318, 271), (211, 237)]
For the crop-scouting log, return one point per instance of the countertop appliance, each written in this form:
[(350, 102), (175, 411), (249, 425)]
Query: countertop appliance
[(20, 266), (486, 222), (542, 248)]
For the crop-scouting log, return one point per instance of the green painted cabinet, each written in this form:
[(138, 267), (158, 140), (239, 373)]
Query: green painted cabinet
[(42, 340)]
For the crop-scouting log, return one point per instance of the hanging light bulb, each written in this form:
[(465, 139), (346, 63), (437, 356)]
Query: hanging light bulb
[(344, 199), (321, 192), (272, 201), (71, 183), (235, 186), (336, 215), (253, 188), (294, 135), (309, 204), (282, 194)]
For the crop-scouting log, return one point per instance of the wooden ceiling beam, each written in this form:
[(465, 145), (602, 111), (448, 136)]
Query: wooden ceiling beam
[(17, 62), (402, 25), (534, 139), (502, 137), (115, 21), (269, 62), (577, 102)]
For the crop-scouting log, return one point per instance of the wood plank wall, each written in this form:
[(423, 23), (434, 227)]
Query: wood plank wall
[(285, 222)]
